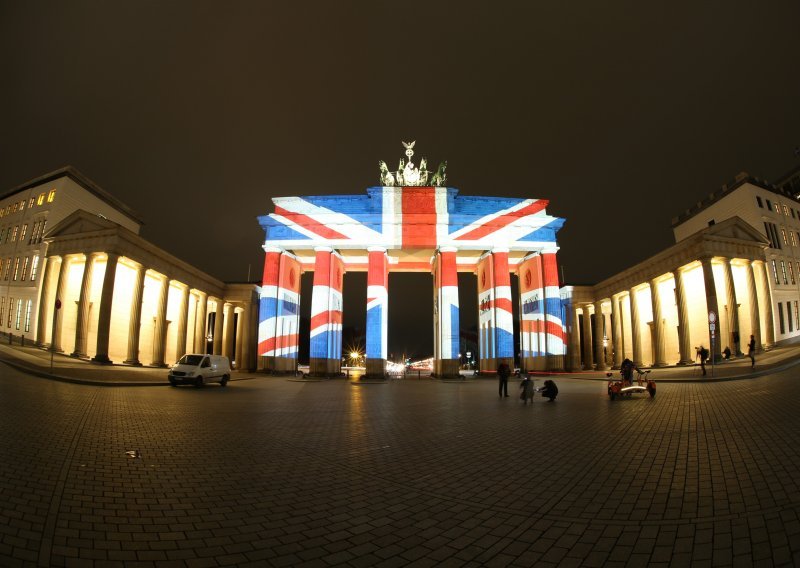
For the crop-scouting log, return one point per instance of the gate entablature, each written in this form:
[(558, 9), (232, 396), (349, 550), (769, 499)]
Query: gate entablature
[(407, 228)]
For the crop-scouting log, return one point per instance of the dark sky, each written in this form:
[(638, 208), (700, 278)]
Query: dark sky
[(621, 116)]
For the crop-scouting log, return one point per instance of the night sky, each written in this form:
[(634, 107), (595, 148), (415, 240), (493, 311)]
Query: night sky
[(196, 113)]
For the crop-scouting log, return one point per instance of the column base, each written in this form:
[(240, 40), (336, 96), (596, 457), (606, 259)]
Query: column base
[(684, 362), (132, 362), (376, 368), (102, 359), (280, 364), (78, 355), (324, 367), (555, 362), (443, 368)]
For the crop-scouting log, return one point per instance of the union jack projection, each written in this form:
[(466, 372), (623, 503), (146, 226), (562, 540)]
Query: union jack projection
[(432, 229)]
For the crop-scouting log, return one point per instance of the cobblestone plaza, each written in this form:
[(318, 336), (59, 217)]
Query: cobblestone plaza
[(409, 472)]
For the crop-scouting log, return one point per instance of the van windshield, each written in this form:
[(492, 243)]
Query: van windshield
[(190, 360)]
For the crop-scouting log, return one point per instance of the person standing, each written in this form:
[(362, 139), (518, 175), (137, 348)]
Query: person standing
[(503, 372), (703, 353), (751, 351)]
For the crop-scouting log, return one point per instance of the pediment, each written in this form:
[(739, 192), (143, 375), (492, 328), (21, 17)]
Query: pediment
[(80, 222), (735, 228)]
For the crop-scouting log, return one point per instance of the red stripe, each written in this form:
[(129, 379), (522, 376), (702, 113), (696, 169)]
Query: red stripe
[(322, 268), (503, 221), (448, 275), (376, 274), (539, 326), (269, 344), (419, 216), (550, 269), (271, 263), (310, 224)]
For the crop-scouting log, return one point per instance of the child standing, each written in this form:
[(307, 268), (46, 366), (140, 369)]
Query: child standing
[(526, 389)]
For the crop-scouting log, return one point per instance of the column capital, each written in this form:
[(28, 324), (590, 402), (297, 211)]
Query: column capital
[(323, 249), (500, 250), (376, 248), (272, 248), (447, 249), (550, 249)]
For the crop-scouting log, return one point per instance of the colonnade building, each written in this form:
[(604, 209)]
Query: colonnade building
[(737, 254), (75, 275)]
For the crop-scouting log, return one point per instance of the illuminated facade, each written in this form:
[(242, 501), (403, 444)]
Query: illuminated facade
[(91, 287), (411, 228), (736, 254)]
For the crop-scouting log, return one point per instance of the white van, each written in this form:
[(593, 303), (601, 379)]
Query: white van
[(198, 369)]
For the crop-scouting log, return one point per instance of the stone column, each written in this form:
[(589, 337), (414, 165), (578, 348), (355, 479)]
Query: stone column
[(227, 338), (617, 331), (711, 303), (237, 345), (554, 336), (574, 340), (377, 311), (160, 328), (200, 316), (586, 328), (658, 326), (446, 312), (58, 314), (599, 352), (219, 319), (82, 320), (733, 308), (44, 300), (183, 318), (104, 318), (769, 322), (684, 334), (247, 326), (636, 337), (755, 315), (135, 321)]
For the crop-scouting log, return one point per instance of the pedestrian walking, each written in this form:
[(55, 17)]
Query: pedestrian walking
[(503, 372), (751, 351), (702, 352)]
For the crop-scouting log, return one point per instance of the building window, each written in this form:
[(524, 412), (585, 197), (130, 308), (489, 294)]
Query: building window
[(14, 207), (711, 222), (794, 242), (8, 268), (27, 260), (34, 267), (769, 205), (2, 309), (780, 318), (11, 311), (19, 314), (791, 209), (774, 272), (41, 231), (796, 316), (31, 202), (51, 196), (33, 232), (777, 208), (14, 234), (783, 234), (1, 271), (22, 233), (760, 203), (783, 271), (791, 271), (40, 200), (789, 316), (16, 269), (28, 316)]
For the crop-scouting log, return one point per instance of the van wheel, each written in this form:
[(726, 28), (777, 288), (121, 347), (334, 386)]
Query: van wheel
[(198, 382), (172, 383), (224, 381)]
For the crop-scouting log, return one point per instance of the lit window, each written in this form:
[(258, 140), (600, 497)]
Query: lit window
[(28, 316), (22, 205), (11, 311), (33, 232), (14, 235), (40, 199), (34, 267), (794, 242), (51, 196), (16, 269), (31, 202), (783, 271), (2, 308), (19, 313), (774, 272), (14, 208), (777, 208), (22, 234), (783, 234), (791, 272), (8, 268), (41, 231), (785, 210), (27, 260), (796, 316)]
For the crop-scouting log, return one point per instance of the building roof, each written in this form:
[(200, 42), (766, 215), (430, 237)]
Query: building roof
[(90, 186), (728, 188)]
